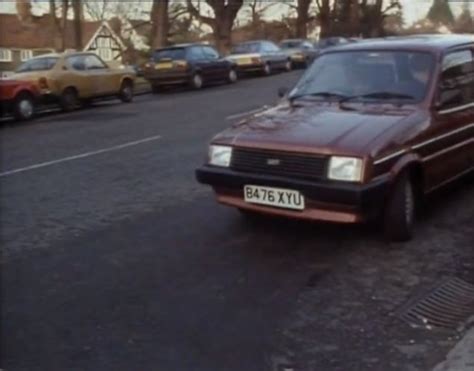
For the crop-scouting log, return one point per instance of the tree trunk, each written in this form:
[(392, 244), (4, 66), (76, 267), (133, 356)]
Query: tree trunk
[(160, 23), (64, 13), (302, 18), (77, 11), (325, 19)]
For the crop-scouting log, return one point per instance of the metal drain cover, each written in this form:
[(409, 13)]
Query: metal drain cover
[(446, 307)]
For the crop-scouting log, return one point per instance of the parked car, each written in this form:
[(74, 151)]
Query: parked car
[(188, 64), (18, 98), (369, 130), (260, 56), (300, 51), (72, 78), (329, 42)]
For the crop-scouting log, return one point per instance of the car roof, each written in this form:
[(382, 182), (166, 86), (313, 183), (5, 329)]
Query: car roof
[(182, 46), (293, 40), (254, 42), (415, 42)]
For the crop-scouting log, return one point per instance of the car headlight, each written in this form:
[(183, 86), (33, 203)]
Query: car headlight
[(347, 169), (220, 155)]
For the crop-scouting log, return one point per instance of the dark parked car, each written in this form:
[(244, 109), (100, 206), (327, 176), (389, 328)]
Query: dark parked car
[(260, 56), (189, 64), (18, 98), (300, 51), (369, 130), (330, 42)]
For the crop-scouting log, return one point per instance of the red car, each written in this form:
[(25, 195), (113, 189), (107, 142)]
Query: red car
[(18, 98)]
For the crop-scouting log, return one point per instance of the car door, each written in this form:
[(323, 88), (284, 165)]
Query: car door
[(195, 55), (277, 54), (105, 80), (449, 151), (219, 66), (76, 75)]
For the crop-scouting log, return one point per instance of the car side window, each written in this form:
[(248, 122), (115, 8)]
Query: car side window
[(77, 62), (270, 47), (210, 53), (94, 63), (195, 53), (456, 85)]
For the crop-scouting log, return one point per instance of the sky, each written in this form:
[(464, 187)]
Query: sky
[(413, 9)]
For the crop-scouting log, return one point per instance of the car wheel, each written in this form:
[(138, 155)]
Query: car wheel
[(24, 107), (155, 89), (232, 76), (399, 213), (126, 92), (68, 100), (196, 81), (288, 66), (267, 69)]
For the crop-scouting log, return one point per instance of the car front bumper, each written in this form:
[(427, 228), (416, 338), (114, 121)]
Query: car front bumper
[(169, 78), (324, 200)]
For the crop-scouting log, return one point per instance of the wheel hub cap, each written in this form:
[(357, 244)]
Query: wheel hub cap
[(26, 108)]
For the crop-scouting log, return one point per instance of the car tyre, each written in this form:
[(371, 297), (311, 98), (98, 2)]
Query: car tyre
[(24, 107), (126, 91), (232, 77), (68, 100), (399, 213), (196, 81), (155, 89)]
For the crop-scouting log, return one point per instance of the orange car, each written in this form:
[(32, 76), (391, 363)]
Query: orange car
[(18, 98), (69, 78)]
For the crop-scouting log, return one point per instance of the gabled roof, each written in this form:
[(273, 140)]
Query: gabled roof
[(38, 34)]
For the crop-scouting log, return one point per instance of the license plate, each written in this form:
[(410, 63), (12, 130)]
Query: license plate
[(277, 197), (244, 61), (163, 66)]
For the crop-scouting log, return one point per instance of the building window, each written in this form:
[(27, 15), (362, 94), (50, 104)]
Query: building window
[(105, 54), (26, 54), (5, 55), (103, 42)]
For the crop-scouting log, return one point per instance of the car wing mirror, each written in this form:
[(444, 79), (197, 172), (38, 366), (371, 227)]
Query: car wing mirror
[(282, 92)]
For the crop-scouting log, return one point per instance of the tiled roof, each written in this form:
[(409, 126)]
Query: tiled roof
[(38, 34)]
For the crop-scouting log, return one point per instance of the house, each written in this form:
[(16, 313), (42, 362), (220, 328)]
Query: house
[(20, 40)]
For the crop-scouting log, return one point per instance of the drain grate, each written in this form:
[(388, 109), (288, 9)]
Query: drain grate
[(447, 307)]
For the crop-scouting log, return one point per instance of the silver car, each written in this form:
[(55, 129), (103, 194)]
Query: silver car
[(301, 52), (260, 56)]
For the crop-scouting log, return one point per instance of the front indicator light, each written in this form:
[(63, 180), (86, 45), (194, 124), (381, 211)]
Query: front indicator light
[(347, 169), (220, 155)]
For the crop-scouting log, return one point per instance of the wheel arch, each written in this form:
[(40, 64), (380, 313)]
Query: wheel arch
[(412, 165)]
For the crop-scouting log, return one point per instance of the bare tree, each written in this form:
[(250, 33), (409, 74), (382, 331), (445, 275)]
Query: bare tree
[(222, 23), (160, 23), (97, 9), (78, 16)]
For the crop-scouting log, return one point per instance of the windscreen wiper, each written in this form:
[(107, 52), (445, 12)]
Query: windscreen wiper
[(324, 94), (379, 95)]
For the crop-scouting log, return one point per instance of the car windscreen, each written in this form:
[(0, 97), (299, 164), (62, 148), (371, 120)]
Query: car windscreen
[(368, 74), (246, 48), (290, 44), (173, 54), (38, 64)]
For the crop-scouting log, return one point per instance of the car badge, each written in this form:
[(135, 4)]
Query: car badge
[(273, 162)]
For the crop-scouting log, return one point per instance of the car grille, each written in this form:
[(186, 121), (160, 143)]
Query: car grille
[(279, 163)]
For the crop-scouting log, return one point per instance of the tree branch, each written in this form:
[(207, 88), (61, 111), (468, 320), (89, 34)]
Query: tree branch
[(195, 13)]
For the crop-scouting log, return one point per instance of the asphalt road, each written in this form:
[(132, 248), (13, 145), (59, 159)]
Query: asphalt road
[(114, 258)]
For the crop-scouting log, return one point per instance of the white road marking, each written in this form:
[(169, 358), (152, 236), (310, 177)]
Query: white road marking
[(248, 113), (79, 156)]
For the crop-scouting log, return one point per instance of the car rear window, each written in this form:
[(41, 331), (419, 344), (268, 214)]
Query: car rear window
[(246, 48), (173, 54), (290, 44), (38, 64)]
